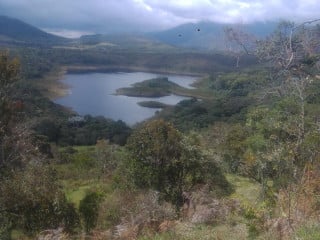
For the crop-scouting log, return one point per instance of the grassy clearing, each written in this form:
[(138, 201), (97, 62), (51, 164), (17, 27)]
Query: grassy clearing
[(77, 182), (76, 189), (246, 190), (76, 192)]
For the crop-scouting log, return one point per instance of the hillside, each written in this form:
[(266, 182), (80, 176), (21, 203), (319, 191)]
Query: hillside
[(197, 36), (17, 31), (239, 159), (206, 35), (127, 41)]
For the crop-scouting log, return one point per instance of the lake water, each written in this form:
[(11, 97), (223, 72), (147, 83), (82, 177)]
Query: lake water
[(93, 93)]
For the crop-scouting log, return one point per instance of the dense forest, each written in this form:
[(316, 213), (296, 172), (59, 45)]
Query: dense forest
[(238, 160)]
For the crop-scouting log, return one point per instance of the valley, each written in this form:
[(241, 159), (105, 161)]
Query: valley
[(160, 135)]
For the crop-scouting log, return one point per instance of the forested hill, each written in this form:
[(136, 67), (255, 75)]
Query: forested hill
[(12, 29)]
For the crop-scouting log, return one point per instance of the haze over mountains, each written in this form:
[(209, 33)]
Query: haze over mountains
[(14, 30), (207, 35), (202, 35)]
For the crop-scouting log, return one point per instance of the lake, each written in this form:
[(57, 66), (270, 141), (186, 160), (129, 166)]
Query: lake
[(94, 94)]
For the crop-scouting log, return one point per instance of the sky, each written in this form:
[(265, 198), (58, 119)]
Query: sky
[(77, 17)]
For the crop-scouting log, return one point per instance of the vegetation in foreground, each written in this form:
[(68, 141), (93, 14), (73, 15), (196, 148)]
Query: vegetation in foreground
[(243, 161)]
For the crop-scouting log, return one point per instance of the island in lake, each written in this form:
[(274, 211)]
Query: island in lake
[(152, 88)]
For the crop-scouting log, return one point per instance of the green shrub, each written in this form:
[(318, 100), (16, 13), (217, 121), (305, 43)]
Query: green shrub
[(161, 158), (89, 210), (32, 205)]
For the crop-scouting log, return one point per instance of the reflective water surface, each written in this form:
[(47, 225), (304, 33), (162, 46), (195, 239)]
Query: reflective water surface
[(93, 93)]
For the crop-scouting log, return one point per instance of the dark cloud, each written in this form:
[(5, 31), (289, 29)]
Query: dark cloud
[(147, 15)]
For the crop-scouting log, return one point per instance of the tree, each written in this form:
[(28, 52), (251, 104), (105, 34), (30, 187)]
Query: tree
[(32, 205), (237, 41), (9, 69), (286, 139), (292, 55), (31, 198), (163, 159)]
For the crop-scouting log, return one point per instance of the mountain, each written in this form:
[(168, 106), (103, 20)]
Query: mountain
[(202, 35), (125, 42), (198, 36), (207, 35), (16, 31)]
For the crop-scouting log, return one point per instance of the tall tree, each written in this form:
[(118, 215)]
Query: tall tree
[(163, 159)]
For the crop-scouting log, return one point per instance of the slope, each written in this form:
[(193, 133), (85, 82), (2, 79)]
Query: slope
[(16, 31)]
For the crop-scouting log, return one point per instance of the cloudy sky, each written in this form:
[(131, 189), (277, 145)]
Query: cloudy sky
[(103, 16)]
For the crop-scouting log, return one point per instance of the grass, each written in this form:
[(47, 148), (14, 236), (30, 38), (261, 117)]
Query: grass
[(75, 190), (186, 231), (246, 190), (235, 226), (77, 180), (75, 195), (19, 235), (308, 231)]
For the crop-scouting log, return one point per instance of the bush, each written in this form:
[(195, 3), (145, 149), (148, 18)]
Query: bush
[(89, 210), (161, 158), (32, 205)]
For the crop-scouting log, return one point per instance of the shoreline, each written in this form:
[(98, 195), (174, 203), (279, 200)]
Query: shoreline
[(53, 87), (51, 84), (107, 69)]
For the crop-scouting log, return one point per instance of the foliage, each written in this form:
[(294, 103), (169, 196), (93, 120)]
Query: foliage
[(152, 104), (83, 160), (48, 128), (111, 209), (91, 129), (272, 137), (106, 156), (9, 69), (220, 97), (278, 144), (33, 205), (156, 151), (156, 87), (162, 159), (89, 209), (308, 231)]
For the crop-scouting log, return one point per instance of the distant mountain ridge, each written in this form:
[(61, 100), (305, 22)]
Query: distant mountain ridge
[(19, 31), (198, 36), (207, 35)]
